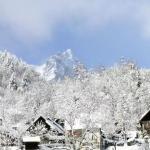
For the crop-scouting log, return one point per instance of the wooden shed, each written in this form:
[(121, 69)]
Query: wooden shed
[(31, 143)]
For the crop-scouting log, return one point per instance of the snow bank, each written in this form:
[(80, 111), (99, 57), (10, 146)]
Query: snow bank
[(134, 147), (9, 148)]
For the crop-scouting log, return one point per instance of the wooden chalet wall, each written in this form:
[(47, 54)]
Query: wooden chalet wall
[(145, 124)]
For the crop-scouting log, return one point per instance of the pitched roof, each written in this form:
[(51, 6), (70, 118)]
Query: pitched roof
[(50, 123), (145, 116), (55, 125)]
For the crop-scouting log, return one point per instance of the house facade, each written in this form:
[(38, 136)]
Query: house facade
[(145, 124), (87, 138), (46, 130)]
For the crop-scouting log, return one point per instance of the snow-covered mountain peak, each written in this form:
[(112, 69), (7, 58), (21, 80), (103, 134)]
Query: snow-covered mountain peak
[(68, 54), (58, 66)]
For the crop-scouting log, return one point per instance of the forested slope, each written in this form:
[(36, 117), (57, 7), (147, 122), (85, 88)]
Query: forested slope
[(111, 97)]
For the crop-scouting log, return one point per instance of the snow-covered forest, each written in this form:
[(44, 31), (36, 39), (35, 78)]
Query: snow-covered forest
[(110, 97)]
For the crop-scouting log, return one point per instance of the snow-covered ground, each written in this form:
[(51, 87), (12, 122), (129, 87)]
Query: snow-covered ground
[(134, 147), (9, 148)]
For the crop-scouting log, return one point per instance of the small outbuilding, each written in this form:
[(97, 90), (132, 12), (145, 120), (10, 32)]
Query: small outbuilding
[(31, 142)]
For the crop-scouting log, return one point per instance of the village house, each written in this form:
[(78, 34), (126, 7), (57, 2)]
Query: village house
[(83, 136), (53, 132), (87, 138), (145, 124), (44, 131)]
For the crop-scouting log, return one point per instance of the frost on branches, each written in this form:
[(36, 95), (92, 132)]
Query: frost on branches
[(113, 98)]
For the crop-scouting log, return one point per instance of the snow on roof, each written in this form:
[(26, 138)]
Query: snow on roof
[(55, 125), (29, 139), (54, 137), (144, 114)]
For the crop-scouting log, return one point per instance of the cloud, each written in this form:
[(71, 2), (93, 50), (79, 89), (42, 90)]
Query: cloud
[(34, 20)]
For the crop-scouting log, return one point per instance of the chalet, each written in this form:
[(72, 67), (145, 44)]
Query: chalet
[(44, 131), (91, 137), (145, 123), (84, 136)]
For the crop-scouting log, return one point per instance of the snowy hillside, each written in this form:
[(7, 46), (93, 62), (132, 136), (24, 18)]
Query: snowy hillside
[(121, 91)]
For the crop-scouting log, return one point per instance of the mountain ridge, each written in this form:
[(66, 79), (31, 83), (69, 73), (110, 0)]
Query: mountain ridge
[(55, 67), (58, 66)]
